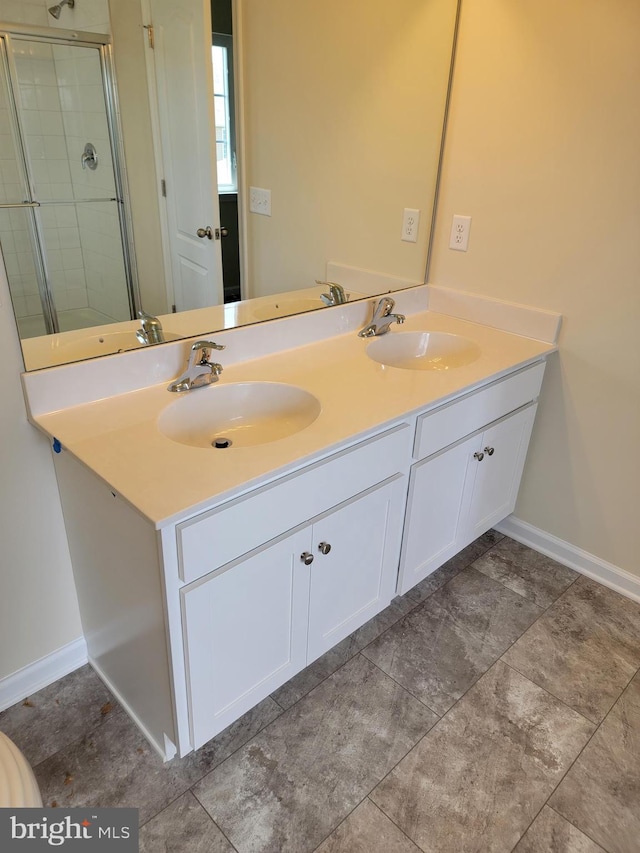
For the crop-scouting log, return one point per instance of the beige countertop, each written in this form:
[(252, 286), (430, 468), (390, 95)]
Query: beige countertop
[(166, 481)]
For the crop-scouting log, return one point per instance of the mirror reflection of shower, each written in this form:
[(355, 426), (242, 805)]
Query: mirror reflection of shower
[(56, 10), (64, 229)]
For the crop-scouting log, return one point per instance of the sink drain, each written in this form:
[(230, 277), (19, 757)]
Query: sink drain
[(221, 443)]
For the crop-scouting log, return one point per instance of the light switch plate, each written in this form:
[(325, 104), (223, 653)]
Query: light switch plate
[(260, 201)]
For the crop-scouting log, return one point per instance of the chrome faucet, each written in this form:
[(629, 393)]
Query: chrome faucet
[(382, 319), (200, 371), (336, 295), (151, 331)]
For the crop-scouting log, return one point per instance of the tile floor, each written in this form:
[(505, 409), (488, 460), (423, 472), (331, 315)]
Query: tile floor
[(494, 707)]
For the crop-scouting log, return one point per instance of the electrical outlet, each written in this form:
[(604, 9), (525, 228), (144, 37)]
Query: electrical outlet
[(260, 201), (410, 225), (459, 240)]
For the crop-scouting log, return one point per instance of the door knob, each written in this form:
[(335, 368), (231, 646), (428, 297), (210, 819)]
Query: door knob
[(324, 547), (205, 232), (306, 558), (479, 455), (224, 231)]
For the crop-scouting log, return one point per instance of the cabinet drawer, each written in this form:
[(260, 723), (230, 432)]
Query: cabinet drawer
[(234, 528), (453, 421)]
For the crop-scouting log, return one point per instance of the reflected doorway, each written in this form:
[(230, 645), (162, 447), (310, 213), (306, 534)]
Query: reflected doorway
[(226, 146)]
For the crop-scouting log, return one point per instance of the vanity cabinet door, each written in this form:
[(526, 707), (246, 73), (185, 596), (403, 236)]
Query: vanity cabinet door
[(457, 495), (245, 633), (354, 572), (434, 511), (496, 481)]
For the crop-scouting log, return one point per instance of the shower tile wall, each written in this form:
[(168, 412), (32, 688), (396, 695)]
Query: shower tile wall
[(84, 118), (43, 126), (62, 107)]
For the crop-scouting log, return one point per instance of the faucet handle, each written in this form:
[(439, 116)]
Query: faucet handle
[(201, 350), (207, 345), (336, 295)]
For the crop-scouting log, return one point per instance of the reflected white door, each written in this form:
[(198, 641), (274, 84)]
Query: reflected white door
[(184, 87)]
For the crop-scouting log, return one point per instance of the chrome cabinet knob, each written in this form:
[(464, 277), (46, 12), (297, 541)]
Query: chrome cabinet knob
[(306, 558), (205, 232), (479, 455), (489, 451), (324, 547)]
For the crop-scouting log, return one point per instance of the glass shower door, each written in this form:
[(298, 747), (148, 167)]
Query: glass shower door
[(19, 239), (74, 269)]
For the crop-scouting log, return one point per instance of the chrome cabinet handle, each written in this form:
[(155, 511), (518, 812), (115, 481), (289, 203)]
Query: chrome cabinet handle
[(479, 455), (324, 547), (306, 558), (489, 451), (205, 232)]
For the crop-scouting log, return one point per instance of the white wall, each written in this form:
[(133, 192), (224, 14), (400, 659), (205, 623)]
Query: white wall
[(542, 151), (38, 606)]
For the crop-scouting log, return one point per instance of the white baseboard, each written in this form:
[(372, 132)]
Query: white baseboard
[(587, 564), (41, 673)]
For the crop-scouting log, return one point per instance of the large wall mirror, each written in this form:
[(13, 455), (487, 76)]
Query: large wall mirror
[(208, 162)]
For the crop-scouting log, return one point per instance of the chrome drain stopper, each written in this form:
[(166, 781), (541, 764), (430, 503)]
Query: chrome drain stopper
[(221, 443)]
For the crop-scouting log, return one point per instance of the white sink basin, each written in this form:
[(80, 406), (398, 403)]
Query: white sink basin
[(423, 350), (239, 415)]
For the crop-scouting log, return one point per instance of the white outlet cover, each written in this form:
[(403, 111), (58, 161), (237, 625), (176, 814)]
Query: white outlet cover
[(460, 228), (410, 225)]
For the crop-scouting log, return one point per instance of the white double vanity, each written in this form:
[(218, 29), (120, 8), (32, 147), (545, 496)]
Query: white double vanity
[(207, 576)]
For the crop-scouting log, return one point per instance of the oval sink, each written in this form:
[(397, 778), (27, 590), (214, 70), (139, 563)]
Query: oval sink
[(423, 350), (239, 415)]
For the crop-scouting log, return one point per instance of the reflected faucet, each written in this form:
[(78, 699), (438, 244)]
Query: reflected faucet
[(382, 319), (151, 331), (336, 295), (200, 371)]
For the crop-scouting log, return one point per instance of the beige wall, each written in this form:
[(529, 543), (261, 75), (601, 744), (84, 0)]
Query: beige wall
[(543, 152), (340, 104), (38, 605)]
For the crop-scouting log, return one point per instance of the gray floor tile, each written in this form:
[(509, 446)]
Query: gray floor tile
[(551, 833), (367, 830), (454, 566), (202, 761), (183, 827), (526, 572), (287, 789), (601, 792), (584, 649), (114, 766), (56, 716), (442, 647), (324, 666), (477, 780)]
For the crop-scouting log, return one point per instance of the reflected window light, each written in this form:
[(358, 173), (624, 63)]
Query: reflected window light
[(224, 113)]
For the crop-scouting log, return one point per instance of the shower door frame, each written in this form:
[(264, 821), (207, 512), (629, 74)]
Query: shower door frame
[(70, 38)]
